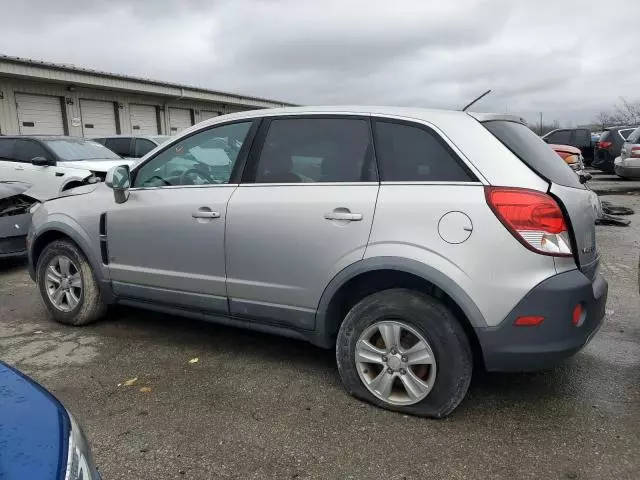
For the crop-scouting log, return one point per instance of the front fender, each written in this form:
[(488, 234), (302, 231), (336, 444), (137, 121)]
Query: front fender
[(43, 223)]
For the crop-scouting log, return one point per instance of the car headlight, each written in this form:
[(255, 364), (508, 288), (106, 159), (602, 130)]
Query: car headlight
[(80, 464)]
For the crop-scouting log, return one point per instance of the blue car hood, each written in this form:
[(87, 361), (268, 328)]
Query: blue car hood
[(34, 429)]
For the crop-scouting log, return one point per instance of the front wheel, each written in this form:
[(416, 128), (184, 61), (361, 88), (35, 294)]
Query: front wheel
[(404, 351), (67, 285)]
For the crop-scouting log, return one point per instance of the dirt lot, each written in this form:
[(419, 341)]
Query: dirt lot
[(259, 406)]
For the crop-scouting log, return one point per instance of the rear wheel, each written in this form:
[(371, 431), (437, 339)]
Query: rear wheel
[(67, 285), (404, 351)]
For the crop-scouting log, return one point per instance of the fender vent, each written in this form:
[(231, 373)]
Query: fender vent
[(104, 250)]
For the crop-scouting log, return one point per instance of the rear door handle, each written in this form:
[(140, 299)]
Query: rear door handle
[(205, 214), (19, 168), (353, 217)]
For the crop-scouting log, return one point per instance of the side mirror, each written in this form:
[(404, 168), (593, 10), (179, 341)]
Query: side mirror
[(119, 179), (43, 162)]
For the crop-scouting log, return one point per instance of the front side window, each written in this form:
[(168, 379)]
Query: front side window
[(27, 150), (560, 137), (206, 158), (310, 150), (6, 148), (414, 154), (583, 138)]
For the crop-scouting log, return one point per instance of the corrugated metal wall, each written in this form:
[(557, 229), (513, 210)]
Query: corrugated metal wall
[(71, 101)]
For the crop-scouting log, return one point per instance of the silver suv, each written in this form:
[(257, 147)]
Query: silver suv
[(415, 242)]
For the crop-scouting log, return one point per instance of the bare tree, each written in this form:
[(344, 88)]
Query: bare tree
[(625, 113)]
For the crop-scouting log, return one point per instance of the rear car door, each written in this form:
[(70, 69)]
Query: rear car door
[(166, 242), (303, 212)]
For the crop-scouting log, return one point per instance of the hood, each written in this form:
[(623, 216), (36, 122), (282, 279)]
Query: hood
[(34, 426), (97, 165), (566, 149), (9, 189)]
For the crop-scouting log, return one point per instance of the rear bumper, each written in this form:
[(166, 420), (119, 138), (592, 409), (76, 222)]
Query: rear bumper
[(509, 348), (627, 171)]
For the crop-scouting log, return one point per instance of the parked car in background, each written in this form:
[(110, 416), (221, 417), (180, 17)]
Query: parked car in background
[(402, 296), (609, 146), (52, 164), (575, 137), (39, 438), (571, 155), (15, 219), (132, 147), (627, 165)]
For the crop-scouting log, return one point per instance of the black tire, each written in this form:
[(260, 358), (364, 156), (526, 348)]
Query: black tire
[(91, 306), (438, 326)]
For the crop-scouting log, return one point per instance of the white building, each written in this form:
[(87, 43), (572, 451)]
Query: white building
[(40, 98)]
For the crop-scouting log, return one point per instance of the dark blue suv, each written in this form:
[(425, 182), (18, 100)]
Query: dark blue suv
[(39, 439)]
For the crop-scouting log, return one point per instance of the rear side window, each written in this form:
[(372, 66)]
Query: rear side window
[(415, 154), (312, 150), (625, 133), (529, 148), (583, 138), (121, 146), (635, 136), (6, 148), (561, 137)]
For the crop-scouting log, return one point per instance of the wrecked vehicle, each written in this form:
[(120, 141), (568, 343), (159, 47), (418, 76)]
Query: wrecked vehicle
[(15, 204)]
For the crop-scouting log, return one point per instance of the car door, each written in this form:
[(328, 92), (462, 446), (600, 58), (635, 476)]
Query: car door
[(302, 213), (8, 171), (46, 180), (166, 242)]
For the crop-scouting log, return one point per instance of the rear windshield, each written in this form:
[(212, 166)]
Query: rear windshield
[(533, 151)]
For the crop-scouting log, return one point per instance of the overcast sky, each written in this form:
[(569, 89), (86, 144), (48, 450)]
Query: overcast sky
[(566, 58)]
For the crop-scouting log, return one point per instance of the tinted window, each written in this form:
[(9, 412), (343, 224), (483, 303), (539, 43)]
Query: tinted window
[(6, 148), (27, 150), (71, 149), (583, 138), (316, 150), (625, 133), (205, 158), (414, 154), (143, 146), (561, 137), (527, 146), (635, 136), (120, 145)]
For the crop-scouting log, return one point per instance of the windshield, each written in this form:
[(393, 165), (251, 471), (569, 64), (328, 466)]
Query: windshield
[(74, 149)]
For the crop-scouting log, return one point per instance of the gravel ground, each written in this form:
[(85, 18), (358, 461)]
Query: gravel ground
[(260, 406)]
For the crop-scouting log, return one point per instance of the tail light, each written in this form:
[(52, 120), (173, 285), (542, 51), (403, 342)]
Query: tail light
[(533, 218), (604, 145), (635, 152)]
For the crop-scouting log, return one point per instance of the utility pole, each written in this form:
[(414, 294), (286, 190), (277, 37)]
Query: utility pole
[(540, 131)]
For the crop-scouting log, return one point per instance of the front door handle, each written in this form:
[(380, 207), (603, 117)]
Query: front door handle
[(19, 168), (348, 216), (205, 214)]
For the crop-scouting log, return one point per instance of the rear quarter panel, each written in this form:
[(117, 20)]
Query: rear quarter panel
[(491, 266)]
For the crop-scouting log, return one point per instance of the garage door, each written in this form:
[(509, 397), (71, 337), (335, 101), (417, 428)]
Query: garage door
[(207, 114), (98, 118), (179, 119), (144, 120), (39, 114)]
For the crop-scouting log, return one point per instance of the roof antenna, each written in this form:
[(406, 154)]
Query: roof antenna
[(476, 99)]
